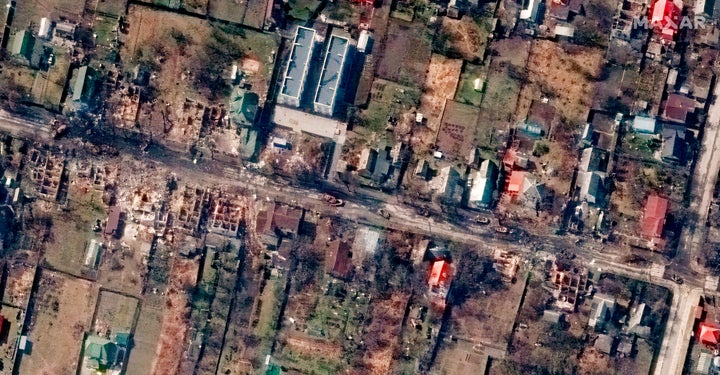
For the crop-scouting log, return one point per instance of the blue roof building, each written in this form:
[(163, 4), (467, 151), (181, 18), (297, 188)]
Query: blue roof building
[(646, 125), (297, 68), (326, 92)]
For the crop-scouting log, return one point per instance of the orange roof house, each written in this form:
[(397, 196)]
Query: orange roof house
[(515, 182), (439, 273), (654, 217), (709, 335)]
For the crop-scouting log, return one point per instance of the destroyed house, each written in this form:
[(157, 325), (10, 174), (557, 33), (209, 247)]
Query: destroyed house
[(332, 72), (569, 285), (297, 67), (338, 258), (225, 214)]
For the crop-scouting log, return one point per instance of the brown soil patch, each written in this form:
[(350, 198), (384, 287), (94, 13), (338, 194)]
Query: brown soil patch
[(313, 347), (174, 328), (383, 332), (566, 77), (441, 83), (465, 37)]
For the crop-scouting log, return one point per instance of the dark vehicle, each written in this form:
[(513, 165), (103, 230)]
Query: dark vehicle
[(384, 213), (677, 279), (423, 211), (332, 201)]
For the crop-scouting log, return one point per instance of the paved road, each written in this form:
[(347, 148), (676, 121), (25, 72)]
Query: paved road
[(702, 187), (37, 130), (362, 210)]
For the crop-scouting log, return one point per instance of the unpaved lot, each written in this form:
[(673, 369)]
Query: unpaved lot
[(174, 328), (63, 310)]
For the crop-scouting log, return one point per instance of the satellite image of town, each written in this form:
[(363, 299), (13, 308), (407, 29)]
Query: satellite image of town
[(359, 187)]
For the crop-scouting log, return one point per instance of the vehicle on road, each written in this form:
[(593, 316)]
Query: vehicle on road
[(482, 220), (332, 201), (384, 213), (677, 279)]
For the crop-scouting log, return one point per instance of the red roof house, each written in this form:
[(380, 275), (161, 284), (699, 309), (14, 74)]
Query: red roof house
[(654, 217), (677, 108), (339, 259), (665, 17), (709, 335), (439, 273)]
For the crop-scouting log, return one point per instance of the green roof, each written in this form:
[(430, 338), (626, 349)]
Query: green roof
[(243, 107), (22, 44), (100, 352), (123, 339)]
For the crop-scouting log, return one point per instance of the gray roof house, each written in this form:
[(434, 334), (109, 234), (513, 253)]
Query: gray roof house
[(604, 344), (591, 186), (674, 144), (484, 182), (593, 159), (603, 307), (532, 192)]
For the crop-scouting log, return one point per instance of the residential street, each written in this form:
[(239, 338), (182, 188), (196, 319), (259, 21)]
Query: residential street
[(702, 187), (362, 209)]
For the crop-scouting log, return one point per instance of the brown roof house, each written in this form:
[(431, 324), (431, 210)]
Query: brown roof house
[(278, 221), (112, 227), (338, 261), (678, 108)]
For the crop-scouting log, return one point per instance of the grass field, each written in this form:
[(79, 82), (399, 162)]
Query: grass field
[(115, 313), (551, 68), (62, 314), (388, 99), (302, 10), (193, 51), (48, 86), (72, 229), (31, 11), (229, 10), (114, 8), (145, 340), (466, 92), (408, 48)]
